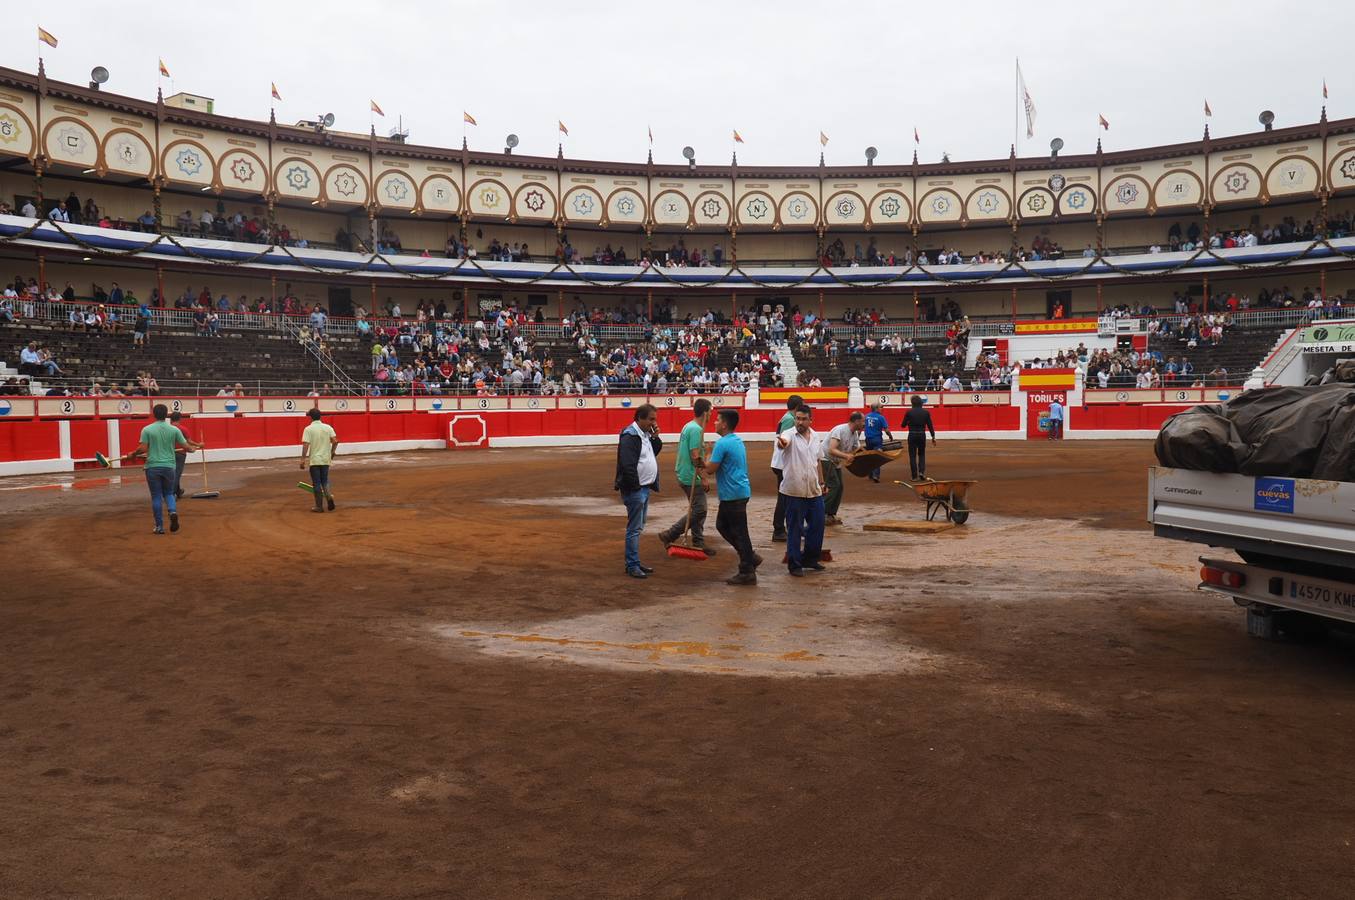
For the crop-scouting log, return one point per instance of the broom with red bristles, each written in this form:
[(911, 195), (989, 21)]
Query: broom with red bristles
[(682, 548)]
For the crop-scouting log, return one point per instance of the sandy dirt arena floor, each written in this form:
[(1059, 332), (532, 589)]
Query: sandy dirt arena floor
[(449, 689)]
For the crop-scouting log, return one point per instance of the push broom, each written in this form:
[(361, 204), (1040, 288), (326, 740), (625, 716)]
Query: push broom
[(205, 494), (682, 548)]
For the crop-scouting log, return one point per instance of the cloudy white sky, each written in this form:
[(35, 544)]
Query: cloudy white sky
[(864, 72)]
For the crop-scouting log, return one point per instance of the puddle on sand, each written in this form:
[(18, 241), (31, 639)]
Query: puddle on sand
[(712, 636)]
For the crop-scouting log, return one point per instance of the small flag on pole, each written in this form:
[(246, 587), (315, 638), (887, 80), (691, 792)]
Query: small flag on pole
[(651, 134), (1026, 100), (1207, 110), (917, 139), (738, 139), (823, 139), (274, 86), (563, 129), (376, 109), (468, 118), (164, 70), (1324, 89), (1102, 121), (46, 37)]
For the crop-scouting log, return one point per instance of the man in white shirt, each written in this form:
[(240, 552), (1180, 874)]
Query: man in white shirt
[(637, 474), (838, 450), (58, 213), (30, 210), (802, 485)]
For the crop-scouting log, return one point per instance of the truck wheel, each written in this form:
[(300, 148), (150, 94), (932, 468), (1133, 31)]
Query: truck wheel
[(1271, 624)]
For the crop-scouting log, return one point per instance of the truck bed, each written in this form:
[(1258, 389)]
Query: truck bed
[(1289, 518)]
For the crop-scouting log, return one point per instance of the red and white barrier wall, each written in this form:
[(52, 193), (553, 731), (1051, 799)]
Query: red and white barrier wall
[(59, 434)]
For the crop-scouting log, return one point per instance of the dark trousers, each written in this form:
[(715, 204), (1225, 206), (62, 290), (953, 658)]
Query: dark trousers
[(320, 482), (779, 514), (179, 460), (732, 522), (832, 479), (874, 444), (917, 455), (804, 523), (698, 524)]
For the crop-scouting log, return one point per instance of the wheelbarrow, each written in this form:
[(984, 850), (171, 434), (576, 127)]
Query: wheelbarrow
[(943, 495)]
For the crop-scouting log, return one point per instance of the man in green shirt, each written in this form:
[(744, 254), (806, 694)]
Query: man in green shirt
[(318, 444), (158, 441), (691, 463)]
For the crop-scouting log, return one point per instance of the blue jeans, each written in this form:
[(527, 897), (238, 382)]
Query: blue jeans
[(874, 444), (804, 522), (160, 480), (637, 504)]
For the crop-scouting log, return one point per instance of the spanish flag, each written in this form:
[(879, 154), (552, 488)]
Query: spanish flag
[(46, 37), (563, 129), (738, 139), (274, 86), (1101, 120), (376, 109), (468, 118), (1207, 110), (164, 70)]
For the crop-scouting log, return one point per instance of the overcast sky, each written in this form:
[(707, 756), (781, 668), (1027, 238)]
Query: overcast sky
[(864, 72)]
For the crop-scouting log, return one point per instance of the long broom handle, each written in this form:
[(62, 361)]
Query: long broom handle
[(204, 470), (691, 500)]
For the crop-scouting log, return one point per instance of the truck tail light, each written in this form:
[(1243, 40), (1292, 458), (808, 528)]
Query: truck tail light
[(1222, 577)]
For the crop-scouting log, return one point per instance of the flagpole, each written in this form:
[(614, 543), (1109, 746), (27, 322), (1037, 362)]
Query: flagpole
[(1016, 115)]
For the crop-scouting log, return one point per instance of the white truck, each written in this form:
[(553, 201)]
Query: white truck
[(1296, 537)]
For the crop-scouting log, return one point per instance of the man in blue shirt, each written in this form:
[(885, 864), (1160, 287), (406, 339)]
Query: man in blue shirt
[(729, 464), (877, 426)]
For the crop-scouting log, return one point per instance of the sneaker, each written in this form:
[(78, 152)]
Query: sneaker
[(318, 509), (178, 494), (797, 572), (743, 578), (757, 560), (330, 501), (875, 478), (665, 540), (778, 537), (709, 551), (636, 573), (173, 521), (158, 530), (817, 567)]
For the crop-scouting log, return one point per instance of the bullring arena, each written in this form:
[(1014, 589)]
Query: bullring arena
[(450, 685)]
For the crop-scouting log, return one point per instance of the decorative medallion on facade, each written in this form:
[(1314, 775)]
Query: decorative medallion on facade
[(188, 160), (846, 207), (489, 197), (987, 203), (757, 208), (9, 129), (583, 203), (1177, 188), (441, 194), (890, 207), (1127, 193), (534, 200), (242, 170), (1293, 176), (1348, 168), (1077, 199), (1036, 202), (798, 207), (940, 204), (127, 151), (626, 205), (711, 208), (298, 178), (670, 207), (72, 141), (1236, 182), (397, 189), (345, 183), (1057, 182)]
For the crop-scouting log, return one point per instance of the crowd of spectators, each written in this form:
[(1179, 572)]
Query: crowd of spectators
[(1286, 231)]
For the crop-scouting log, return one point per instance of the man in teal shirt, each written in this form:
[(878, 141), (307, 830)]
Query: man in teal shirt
[(729, 464), (690, 466), (158, 441)]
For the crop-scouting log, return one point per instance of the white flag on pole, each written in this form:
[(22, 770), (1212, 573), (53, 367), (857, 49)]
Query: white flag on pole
[(1026, 100)]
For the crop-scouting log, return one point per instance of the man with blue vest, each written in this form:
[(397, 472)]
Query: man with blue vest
[(877, 426), (637, 474)]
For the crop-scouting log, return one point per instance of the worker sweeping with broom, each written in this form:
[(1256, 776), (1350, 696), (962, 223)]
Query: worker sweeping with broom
[(318, 445), (158, 441), (689, 468)]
